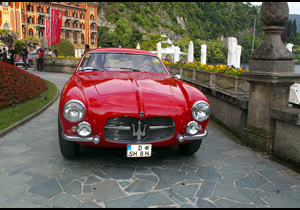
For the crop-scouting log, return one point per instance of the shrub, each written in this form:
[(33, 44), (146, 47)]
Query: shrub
[(17, 85), (65, 48), (18, 46)]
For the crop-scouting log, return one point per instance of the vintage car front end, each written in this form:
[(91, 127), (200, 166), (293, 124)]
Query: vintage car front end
[(131, 109)]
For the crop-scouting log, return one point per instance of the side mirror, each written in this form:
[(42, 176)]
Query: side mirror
[(177, 76)]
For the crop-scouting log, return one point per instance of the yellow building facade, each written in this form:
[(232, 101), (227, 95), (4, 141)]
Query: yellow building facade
[(10, 17), (28, 18)]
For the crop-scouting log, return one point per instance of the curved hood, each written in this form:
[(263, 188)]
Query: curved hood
[(108, 83), (133, 92)]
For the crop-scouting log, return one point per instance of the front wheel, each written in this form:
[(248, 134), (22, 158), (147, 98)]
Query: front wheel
[(191, 147), (68, 149)]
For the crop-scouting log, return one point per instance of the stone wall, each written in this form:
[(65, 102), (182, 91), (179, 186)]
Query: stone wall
[(230, 110), (60, 65)]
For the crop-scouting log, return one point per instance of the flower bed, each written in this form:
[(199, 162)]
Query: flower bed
[(222, 69), (232, 85), (17, 85)]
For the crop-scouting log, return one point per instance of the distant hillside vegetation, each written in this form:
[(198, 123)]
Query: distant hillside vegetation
[(127, 24)]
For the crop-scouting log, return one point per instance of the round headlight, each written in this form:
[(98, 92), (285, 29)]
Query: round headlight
[(193, 128), (84, 129), (74, 111), (201, 111)]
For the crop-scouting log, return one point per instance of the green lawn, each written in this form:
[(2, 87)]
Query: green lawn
[(11, 115)]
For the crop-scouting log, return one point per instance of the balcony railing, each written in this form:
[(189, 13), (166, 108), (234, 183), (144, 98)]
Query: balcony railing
[(68, 18), (41, 14), (39, 25), (65, 28), (71, 29), (92, 21), (93, 31), (77, 29), (75, 19)]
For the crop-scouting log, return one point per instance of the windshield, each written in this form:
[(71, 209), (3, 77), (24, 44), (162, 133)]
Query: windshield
[(121, 62)]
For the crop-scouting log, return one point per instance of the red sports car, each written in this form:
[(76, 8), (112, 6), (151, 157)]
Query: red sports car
[(126, 98)]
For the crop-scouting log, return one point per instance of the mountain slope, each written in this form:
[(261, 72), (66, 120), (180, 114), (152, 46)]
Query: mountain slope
[(196, 20)]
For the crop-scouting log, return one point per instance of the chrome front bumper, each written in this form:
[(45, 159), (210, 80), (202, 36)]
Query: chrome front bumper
[(186, 137), (96, 138), (76, 138)]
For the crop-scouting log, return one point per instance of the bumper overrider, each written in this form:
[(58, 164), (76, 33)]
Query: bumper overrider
[(76, 138), (187, 137)]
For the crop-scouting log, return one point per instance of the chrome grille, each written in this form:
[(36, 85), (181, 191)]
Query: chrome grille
[(117, 129)]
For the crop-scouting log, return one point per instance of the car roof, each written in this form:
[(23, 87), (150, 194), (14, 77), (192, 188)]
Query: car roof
[(121, 50)]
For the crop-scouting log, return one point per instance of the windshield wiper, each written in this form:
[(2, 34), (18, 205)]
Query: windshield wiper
[(90, 68), (132, 69)]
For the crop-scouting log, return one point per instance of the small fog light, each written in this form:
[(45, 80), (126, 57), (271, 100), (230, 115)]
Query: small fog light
[(84, 129), (192, 128), (74, 128)]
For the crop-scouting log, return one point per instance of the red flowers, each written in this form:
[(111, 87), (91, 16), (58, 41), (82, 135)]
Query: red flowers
[(17, 85)]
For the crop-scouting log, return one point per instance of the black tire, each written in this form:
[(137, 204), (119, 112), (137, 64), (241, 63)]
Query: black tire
[(68, 149), (191, 147)]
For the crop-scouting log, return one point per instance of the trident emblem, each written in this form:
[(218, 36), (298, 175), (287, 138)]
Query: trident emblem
[(139, 133)]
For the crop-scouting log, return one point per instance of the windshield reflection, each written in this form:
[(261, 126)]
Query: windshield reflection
[(121, 62)]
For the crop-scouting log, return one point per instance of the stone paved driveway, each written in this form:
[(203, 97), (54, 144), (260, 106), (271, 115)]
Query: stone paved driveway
[(33, 172)]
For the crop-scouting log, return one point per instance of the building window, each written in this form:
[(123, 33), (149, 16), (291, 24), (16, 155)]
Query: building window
[(41, 34), (74, 14), (67, 36), (6, 26), (92, 9), (74, 25), (92, 38), (82, 26), (75, 37), (92, 17), (30, 32), (30, 20), (48, 10), (29, 8), (40, 20), (66, 13), (5, 4), (82, 38), (82, 16), (40, 9)]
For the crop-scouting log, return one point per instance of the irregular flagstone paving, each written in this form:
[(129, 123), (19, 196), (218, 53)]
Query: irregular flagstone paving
[(222, 174)]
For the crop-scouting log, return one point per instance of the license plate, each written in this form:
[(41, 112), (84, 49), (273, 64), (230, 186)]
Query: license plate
[(139, 150)]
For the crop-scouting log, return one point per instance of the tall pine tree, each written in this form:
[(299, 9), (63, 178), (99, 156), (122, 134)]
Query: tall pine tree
[(290, 28), (295, 27)]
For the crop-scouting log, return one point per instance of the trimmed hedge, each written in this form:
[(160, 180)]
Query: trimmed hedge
[(17, 85)]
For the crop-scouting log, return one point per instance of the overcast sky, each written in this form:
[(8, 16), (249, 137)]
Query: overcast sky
[(294, 7)]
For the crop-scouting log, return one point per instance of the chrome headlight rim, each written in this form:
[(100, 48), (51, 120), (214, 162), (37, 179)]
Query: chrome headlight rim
[(195, 111), (82, 114)]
